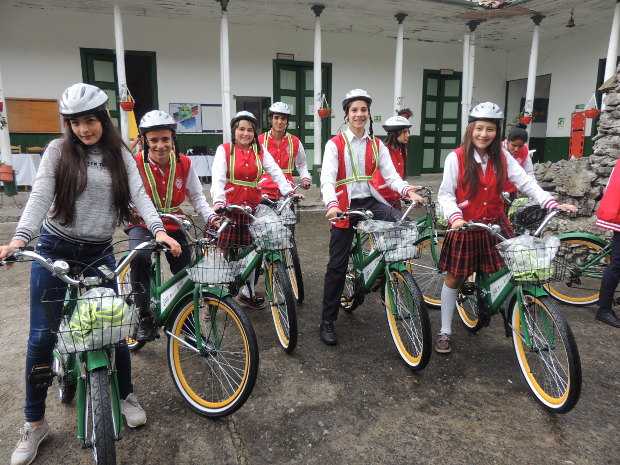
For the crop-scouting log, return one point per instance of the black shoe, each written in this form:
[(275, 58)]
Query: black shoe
[(328, 333), (146, 330), (608, 317)]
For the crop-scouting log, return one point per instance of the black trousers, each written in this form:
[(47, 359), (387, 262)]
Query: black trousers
[(141, 264), (611, 276), (339, 249)]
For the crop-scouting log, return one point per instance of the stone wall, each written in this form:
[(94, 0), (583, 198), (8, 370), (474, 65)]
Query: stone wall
[(581, 181)]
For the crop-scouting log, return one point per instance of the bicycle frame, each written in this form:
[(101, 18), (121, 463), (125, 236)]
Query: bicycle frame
[(592, 261)]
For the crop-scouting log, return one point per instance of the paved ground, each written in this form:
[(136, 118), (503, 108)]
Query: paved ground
[(355, 403)]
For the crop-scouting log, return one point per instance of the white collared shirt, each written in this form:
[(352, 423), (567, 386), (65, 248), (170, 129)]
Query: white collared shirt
[(360, 189), (446, 196)]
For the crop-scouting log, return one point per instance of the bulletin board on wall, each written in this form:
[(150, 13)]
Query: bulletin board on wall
[(34, 116)]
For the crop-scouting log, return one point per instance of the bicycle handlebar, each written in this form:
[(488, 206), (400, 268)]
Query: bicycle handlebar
[(366, 215)]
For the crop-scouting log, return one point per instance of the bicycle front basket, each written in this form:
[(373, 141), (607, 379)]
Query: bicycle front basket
[(396, 241), (94, 320), (271, 233), (531, 260), (214, 267)]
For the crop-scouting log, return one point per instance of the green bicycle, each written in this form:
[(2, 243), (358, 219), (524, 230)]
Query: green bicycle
[(271, 237), (379, 259), (544, 344), (212, 350), (92, 320)]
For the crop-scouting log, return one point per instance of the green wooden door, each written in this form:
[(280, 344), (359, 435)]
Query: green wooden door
[(99, 69), (294, 85), (441, 121)]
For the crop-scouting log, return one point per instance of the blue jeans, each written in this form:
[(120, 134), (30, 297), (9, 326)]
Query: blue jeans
[(611, 276), (42, 337)]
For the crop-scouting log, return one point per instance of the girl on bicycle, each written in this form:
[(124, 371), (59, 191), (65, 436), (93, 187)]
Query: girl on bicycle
[(473, 178), (349, 163), (516, 145), (286, 149), (82, 191), (397, 128), (237, 169), (168, 178)]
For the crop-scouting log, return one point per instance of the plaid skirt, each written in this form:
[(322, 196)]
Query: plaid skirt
[(466, 252), (237, 234)]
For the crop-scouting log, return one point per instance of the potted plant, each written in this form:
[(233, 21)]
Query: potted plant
[(324, 111), (127, 102)]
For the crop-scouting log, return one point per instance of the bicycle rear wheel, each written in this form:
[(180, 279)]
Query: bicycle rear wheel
[(99, 420), (123, 281), (282, 303), (547, 353), (468, 305), (425, 269), (408, 320), (216, 379), (580, 285)]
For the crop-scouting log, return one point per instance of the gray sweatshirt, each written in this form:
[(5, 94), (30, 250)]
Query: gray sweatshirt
[(95, 216)]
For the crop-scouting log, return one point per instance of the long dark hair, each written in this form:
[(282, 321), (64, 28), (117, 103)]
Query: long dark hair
[(71, 174), (346, 115), (393, 142), (233, 128), (494, 152)]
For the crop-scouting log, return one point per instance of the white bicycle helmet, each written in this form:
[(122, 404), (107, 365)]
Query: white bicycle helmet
[(246, 115), (80, 99), (356, 94), (280, 108), (486, 110), (396, 123), (157, 119)]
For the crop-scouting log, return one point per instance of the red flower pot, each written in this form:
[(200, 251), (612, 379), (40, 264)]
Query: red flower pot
[(1, 106), (324, 112), (525, 119), (127, 105)]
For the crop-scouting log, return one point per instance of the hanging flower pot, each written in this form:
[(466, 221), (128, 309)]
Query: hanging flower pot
[(525, 119), (591, 113), (324, 111), (127, 102), (1, 106), (6, 172)]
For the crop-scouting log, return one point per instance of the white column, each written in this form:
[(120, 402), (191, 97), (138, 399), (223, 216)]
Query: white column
[(318, 92), (120, 69), (472, 68), (398, 63), (465, 86), (612, 49), (225, 73), (5, 142), (532, 69)]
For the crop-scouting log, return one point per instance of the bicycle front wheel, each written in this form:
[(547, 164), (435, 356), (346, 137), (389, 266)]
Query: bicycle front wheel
[(581, 281), (408, 320), (547, 353), (425, 269), (282, 303), (99, 421), (216, 378)]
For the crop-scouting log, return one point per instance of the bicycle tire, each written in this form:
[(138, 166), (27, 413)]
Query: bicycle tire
[(293, 267), (576, 288), (186, 380), (66, 386), (540, 325), (283, 306), (425, 270), (102, 424), (414, 341)]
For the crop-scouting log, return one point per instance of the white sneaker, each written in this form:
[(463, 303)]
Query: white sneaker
[(134, 413), (30, 438)]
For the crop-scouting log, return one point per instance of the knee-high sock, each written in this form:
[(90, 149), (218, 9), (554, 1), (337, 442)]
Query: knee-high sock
[(448, 304), (248, 289)]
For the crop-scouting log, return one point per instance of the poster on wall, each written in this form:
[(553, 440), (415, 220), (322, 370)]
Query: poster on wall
[(212, 118), (188, 117)]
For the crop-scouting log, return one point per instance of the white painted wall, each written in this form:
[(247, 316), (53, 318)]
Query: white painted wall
[(516, 91), (572, 60)]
